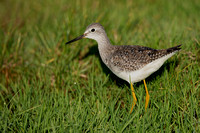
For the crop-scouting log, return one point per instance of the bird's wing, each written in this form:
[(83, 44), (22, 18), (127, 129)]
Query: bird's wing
[(134, 57)]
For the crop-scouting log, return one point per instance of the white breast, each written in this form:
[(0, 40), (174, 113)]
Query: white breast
[(144, 72)]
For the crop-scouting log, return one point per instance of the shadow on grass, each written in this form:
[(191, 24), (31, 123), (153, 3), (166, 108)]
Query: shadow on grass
[(122, 83)]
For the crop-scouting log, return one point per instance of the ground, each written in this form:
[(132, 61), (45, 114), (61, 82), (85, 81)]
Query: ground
[(47, 86)]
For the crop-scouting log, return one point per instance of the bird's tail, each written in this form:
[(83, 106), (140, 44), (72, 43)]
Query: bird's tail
[(174, 49)]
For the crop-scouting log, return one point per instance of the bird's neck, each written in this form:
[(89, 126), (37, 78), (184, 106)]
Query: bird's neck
[(105, 48)]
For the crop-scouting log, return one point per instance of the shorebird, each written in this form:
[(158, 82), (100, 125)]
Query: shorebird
[(132, 63)]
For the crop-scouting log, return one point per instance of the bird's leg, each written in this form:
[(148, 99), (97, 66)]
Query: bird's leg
[(147, 95), (134, 98)]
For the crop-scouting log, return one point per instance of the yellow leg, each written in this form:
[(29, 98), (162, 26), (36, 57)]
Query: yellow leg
[(147, 95), (134, 98)]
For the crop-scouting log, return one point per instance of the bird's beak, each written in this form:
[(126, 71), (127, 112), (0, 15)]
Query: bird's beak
[(76, 39)]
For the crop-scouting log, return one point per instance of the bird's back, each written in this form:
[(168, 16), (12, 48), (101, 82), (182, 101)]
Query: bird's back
[(132, 58)]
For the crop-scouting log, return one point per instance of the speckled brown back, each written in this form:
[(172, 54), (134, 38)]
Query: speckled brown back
[(134, 57)]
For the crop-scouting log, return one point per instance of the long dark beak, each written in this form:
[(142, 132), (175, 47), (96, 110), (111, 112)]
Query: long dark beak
[(76, 39)]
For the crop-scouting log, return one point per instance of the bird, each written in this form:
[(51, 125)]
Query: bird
[(132, 63)]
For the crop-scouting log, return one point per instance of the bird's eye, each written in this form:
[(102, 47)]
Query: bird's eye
[(92, 30)]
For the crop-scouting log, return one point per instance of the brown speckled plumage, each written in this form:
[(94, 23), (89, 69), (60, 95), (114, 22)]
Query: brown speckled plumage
[(134, 57)]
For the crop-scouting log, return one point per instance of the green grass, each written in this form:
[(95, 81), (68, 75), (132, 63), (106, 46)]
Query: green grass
[(47, 86)]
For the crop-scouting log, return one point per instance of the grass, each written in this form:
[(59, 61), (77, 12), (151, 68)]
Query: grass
[(46, 86)]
